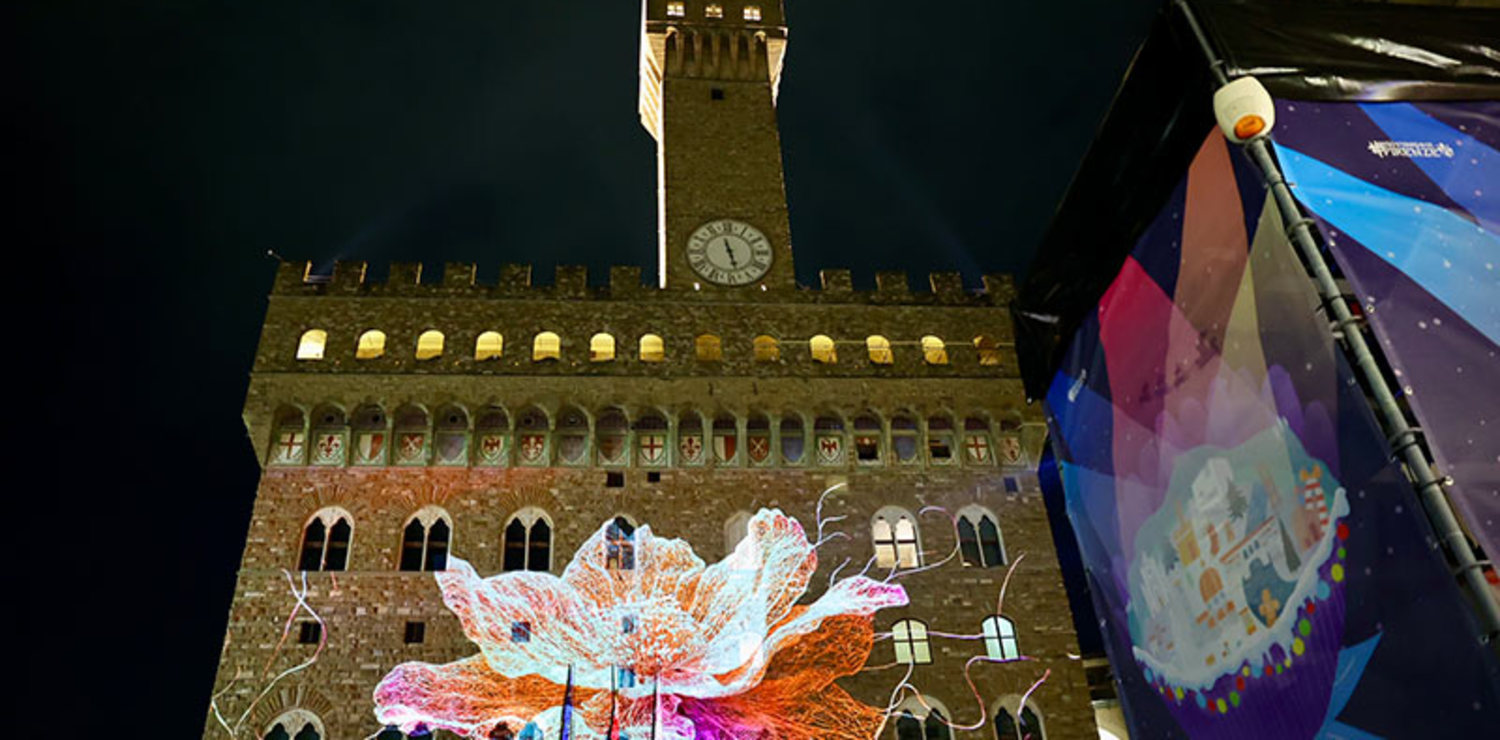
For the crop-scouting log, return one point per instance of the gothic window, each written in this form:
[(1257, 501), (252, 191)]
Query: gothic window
[(979, 538), (867, 435), (766, 349), (572, 436), (988, 349), (792, 447), (306, 725), (935, 728), (429, 344), (910, 638), (528, 541), (977, 447), (726, 440), (612, 437), (822, 349), (411, 435), (880, 350), (709, 348), (735, 529), (425, 540), (450, 440), (758, 439), (939, 440), (895, 534), (651, 439), (325, 540), (546, 346), (828, 437), (532, 446), (371, 345), (1029, 728), (489, 346), (289, 444), (691, 447), (619, 545), (311, 345), (714, 10), (652, 349), (491, 437), (371, 435), (330, 436), (602, 348), (908, 727), (676, 10), (752, 12), (904, 438), (1000, 638), (933, 351)]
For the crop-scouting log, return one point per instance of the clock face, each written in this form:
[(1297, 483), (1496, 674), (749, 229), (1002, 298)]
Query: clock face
[(729, 252)]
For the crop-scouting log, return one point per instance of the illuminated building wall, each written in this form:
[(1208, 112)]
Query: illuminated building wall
[(399, 434)]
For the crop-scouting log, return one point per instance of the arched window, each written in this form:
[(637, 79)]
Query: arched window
[(904, 438), (767, 349), (491, 437), (935, 727), (652, 349), (822, 350), (979, 538), (651, 439), (619, 545), (289, 444), (933, 351), (532, 427), (528, 541), (429, 344), (311, 345), (602, 348), (1029, 728), (758, 439), (828, 434), (939, 440), (977, 448), (690, 445), (572, 436), (792, 447), (921, 718), (735, 529), (330, 435), (910, 638), (451, 438), (546, 346), (372, 435), (411, 435), (325, 540), (895, 534), (726, 440), (908, 727), (867, 435), (425, 540), (988, 349), (371, 345), (880, 350), (305, 724), (709, 348), (612, 437), (489, 346), (1000, 638)]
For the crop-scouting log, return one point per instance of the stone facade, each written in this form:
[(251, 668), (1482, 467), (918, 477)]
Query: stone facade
[(309, 380)]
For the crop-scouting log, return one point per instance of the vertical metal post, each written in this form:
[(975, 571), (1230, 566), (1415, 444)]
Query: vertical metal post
[(1403, 437)]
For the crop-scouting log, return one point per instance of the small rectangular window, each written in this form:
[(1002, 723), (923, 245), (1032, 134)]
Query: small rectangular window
[(752, 12), (1011, 486), (653, 477), (415, 632), (676, 10), (309, 633), (716, 93), (520, 632), (714, 10), (614, 480)]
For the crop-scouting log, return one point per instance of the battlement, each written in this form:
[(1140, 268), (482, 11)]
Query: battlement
[(513, 280)]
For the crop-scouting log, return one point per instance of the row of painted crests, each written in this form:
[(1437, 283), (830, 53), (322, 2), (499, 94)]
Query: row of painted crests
[(1261, 568)]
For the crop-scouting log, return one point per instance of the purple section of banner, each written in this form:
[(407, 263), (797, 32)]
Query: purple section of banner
[(1417, 159)]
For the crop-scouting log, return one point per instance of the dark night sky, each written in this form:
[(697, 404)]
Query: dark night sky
[(164, 147)]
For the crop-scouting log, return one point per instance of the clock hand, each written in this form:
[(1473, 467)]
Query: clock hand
[(729, 250)]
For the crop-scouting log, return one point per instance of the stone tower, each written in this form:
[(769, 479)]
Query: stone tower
[(419, 435)]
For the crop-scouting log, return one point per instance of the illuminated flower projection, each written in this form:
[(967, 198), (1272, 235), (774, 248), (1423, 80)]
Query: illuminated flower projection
[(658, 645)]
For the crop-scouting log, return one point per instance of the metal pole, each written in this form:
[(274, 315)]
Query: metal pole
[(1403, 437)]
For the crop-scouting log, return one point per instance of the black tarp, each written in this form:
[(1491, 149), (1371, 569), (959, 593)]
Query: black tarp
[(1300, 50)]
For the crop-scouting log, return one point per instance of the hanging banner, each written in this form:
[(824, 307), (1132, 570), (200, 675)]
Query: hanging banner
[(1260, 566), (1407, 196)]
